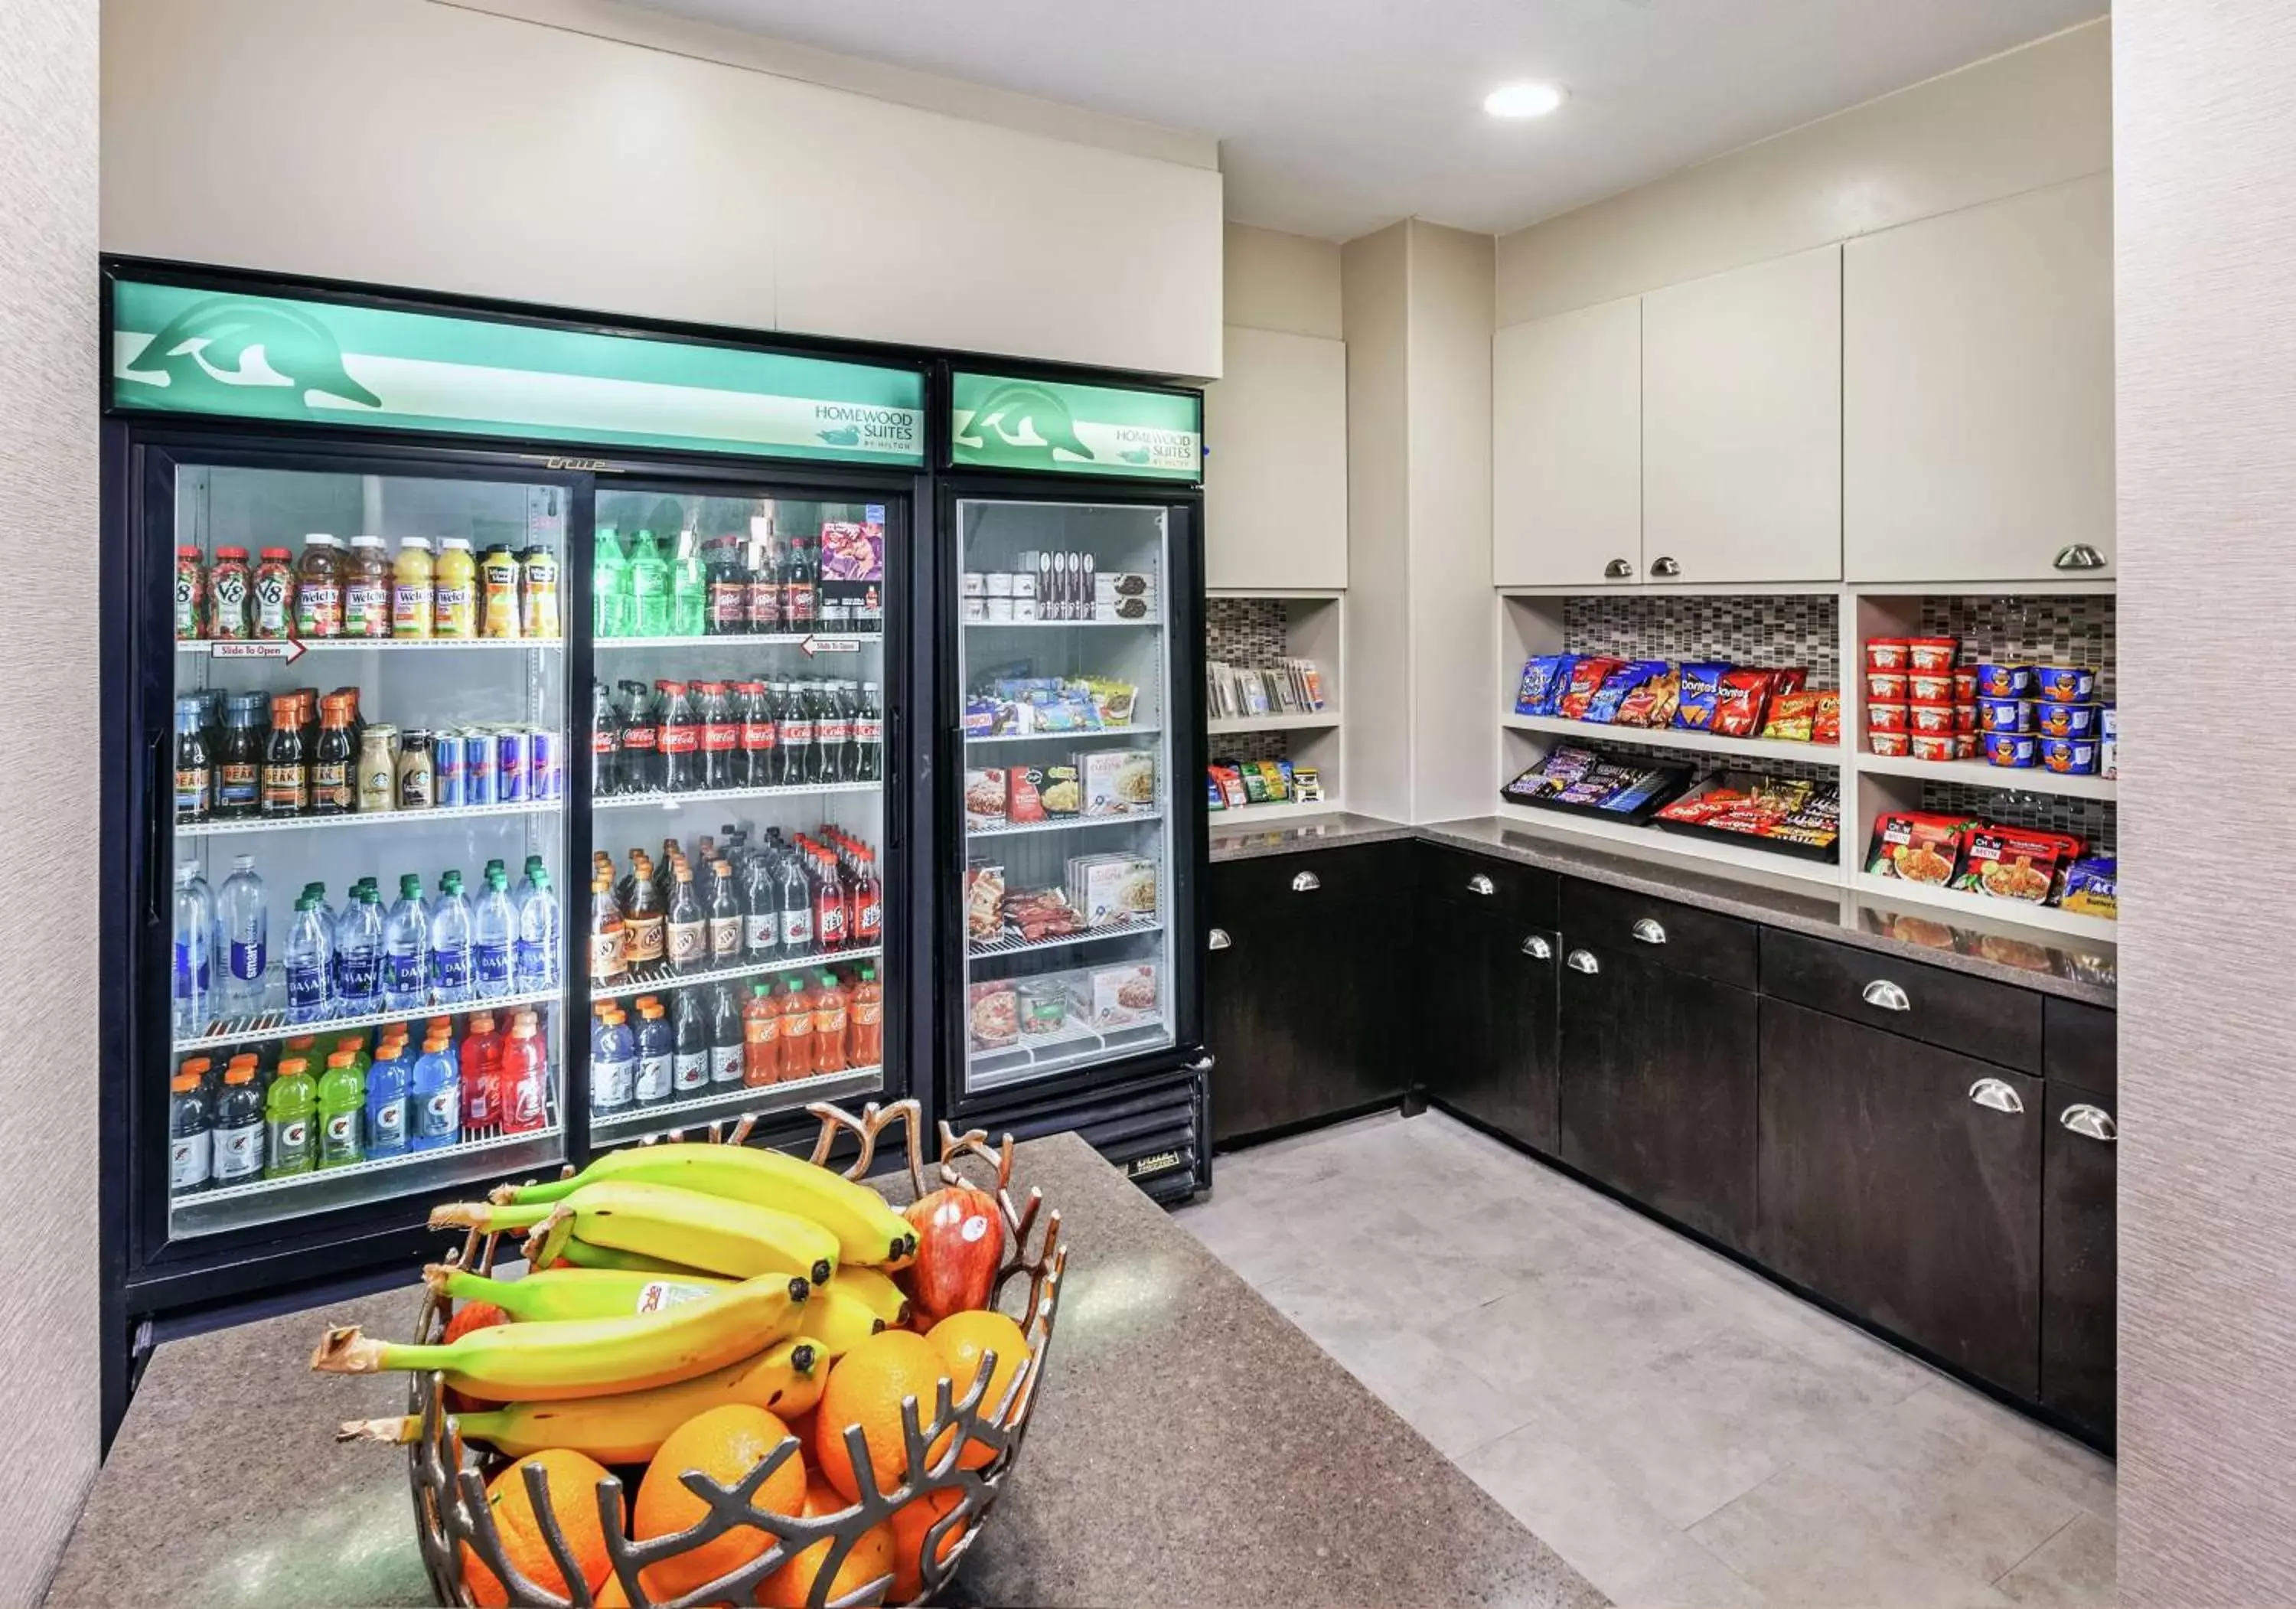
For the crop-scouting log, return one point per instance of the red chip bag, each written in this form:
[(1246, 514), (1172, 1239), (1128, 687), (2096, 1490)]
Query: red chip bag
[(1740, 701), (1586, 680)]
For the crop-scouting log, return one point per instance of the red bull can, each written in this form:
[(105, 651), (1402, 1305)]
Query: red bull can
[(546, 764), (450, 771), (479, 787), (511, 773)]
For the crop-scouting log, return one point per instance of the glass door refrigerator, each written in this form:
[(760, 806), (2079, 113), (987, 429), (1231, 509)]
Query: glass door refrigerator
[(1071, 603), (502, 764)]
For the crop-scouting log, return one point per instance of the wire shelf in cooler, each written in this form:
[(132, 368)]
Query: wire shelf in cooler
[(249, 1028), (1054, 625), (1070, 737), (1064, 824), (1037, 1056), (1090, 935), (734, 1101), (658, 978), (783, 639), (624, 801), (368, 818), (285, 649), (491, 1139)]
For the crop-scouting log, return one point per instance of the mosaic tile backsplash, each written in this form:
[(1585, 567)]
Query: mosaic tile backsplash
[(2042, 629), (1245, 631), (1789, 629)]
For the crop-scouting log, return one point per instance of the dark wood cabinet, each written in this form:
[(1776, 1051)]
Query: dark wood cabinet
[(1658, 1087), (1489, 986), (2078, 1261), (1904, 1182)]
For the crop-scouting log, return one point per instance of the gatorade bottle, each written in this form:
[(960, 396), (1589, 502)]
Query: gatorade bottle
[(657, 1053), (481, 1068), (609, 587), (387, 1084), (761, 1035), (239, 1127), (287, 1112), (868, 1011), (191, 1133), (613, 1062), (342, 1101), (797, 1030), (524, 1077), (438, 1098)]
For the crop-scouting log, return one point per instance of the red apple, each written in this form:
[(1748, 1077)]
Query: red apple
[(960, 1247)]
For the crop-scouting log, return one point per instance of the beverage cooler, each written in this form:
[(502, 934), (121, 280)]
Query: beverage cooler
[(1070, 627), (503, 761)]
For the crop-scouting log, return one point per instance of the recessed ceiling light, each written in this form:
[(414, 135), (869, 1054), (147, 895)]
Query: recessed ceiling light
[(1524, 100)]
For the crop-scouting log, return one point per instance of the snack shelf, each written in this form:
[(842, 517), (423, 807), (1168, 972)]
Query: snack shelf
[(290, 648), (1034, 1055), (737, 639), (1233, 816), (2012, 913), (258, 1027), (1651, 840), (367, 819), (1675, 737), (1064, 824), (1977, 773), (1072, 737), (1092, 935), (623, 989), (670, 801), (736, 1100), (1307, 721)]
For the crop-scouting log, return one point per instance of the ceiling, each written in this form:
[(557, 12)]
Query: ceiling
[(1336, 117)]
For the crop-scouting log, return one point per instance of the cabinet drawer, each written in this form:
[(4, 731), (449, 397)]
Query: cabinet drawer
[(2079, 1043), (1681, 937), (1520, 893), (1991, 1021), (1313, 880)]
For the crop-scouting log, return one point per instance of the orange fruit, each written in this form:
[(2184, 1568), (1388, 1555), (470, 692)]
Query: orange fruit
[(961, 1339), (573, 1486), (865, 1388), (472, 1315), (610, 1596), (871, 1559), (911, 1523), (725, 1443)]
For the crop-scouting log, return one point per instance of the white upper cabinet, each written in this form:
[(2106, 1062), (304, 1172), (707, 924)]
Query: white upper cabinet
[(1276, 479), (1978, 392), (1742, 425), (1566, 449)]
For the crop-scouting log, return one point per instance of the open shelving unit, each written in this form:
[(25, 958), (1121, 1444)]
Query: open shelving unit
[(1278, 625)]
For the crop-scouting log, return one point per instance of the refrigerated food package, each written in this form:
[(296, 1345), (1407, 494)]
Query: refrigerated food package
[(992, 1012), (1111, 890), (1043, 1006), (1917, 847), (1024, 798), (1118, 996), (984, 902), (984, 797), (1544, 678), (2012, 863), (1112, 700), (1122, 781), (1060, 788), (1035, 914)]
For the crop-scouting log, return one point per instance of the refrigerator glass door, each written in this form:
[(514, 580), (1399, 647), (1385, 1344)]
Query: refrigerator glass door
[(369, 756), (1068, 877), (739, 747)]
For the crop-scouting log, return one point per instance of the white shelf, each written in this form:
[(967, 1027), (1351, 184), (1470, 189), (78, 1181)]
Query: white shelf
[(1091, 935), (1047, 738), (671, 801), (1650, 841), (1675, 737), (1977, 773), (1311, 720), (1076, 1045), (276, 648), (735, 1100), (1264, 814), (1064, 824), (662, 978), (367, 819), (2012, 913), (740, 640), (251, 1027)]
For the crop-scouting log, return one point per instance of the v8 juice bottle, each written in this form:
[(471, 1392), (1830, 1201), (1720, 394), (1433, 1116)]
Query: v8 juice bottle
[(191, 595), (287, 1113), (229, 618), (342, 1103), (274, 595), (454, 591), (239, 1127)]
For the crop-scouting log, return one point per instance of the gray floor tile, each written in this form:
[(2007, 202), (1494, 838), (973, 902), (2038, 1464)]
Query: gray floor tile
[(1799, 1538), (2072, 1569)]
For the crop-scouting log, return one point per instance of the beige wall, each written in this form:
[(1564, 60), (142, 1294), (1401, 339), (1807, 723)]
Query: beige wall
[(48, 1324), (2206, 258), (1275, 281), (428, 145), (1377, 287), (2032, 117)]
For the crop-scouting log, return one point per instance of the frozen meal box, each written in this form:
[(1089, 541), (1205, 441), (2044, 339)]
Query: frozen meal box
[(1110, 889), (1119, 782), (1117, 997), (984, 797)]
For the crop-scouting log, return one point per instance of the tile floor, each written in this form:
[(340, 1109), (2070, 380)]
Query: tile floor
[(1681, 1431)]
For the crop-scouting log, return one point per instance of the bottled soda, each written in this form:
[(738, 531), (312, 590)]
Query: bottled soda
[(796, 901), (680, 737), (289, 1147), (829, 912), (191, 1134), (525, 1077), (657, 1054), (194, 769), (609, 587), (689, 587), (438, 1095), (751, 711), (729, 589), (388, 1082), (607, 960), (725, 914), (686, 926), (239, 1127), (868, 900), (613, 1062), (640, 741), (481, 1068), (834, 736), (342, 1103), (644, 918), (193, 988), (605, 744), (725, 1041), (800, 585), (761, 1049), (794, 735), (721, 735), (650, 588), (830, 1017), (797, 1030), (764, 582), (246, 922), (761, 911), (868, 1017), (689, 1066), (869, 735)]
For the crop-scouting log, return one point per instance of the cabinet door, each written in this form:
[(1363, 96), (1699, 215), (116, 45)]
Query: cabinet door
[(1742, 425), (1519, 1086), (1566, 448), (1448, 978), (1257, 1069), (1977, 392), (1887, 1185), (2078, 1261), (1275, 482), (1658, 1089)]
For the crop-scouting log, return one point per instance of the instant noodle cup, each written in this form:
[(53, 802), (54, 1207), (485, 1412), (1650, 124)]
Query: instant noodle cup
[(2005, 715), (2065, 684), (1889, 745), (1931, 653), (1933, 745), (1886, 686), (2065, 720), (2016, 749), (1965, 717), (1964, 684), (2004, 681), (1930, 687), (1965, 745), (2069, 756), (1933, 719), (1888, 718), (1885, 653)]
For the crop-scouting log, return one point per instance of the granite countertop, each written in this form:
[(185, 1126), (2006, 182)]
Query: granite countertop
[(1249, 842), (1191, 1447)]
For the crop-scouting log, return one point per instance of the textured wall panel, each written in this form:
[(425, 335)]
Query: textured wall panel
[(48, 1325), (2206, 262)]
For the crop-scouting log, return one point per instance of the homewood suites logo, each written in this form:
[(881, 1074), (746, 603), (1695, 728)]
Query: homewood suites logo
[(241, 356), (857, 424), (1140, 446), (1026, 424)]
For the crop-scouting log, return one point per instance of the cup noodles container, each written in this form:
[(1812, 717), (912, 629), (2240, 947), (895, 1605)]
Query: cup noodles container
[(2004, 715), (2015, 748), (1933, 745), (2064, 683), (1966, 745), (1964, 684), (1889, 745), (1885, 653), (1932, 655), (2004, 681), (1965, 717), (1930, 687), (1930, 720), (1886, 686), (2069, 756), (1888, 718), (2064, 720)]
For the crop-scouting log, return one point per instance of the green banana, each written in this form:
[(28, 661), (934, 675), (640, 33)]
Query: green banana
[(868, 1231), (630, 1428), (547, 1294), (705, 1232), (589, 1357)]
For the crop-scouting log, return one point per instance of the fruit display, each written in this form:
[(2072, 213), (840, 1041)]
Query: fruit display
[(725, 1374)]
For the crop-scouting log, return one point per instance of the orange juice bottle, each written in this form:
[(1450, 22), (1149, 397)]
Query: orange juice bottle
[(868, 1011), (413, 589), (498, 589), (829, 1025), (761, 1037), (454, 590), (797, 1031)]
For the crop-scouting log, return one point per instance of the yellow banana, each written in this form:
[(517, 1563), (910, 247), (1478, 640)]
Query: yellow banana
[(786, 1378), (705, 1232), (874, 1291), (838, 1318), (546, 1294), (589, 1357), (582, 1254), (868, 1231)]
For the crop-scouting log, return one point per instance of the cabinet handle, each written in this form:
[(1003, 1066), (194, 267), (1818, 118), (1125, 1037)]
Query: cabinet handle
[(1218, 940), (2093, 1121), (1649, 931), (1305, 882), (1664, 568), (1582, 961), (1480, 884), (1995, 1096), (2079, 555), (1618, 570), (1886, 995), (1538, 949)]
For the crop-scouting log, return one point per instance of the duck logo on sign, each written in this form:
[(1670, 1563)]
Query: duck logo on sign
[(228, 354), (1030, 425)]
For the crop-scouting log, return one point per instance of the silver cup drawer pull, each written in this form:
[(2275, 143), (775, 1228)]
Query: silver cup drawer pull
[(1886, 996), (1649, 931), (1480, 884), (1995, 1096), (2093, 1121), (1619, 570), (1538, 949), (1305, 882), (1582, 961), (1218, 940)]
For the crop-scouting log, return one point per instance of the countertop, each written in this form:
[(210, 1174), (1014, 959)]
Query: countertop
[(2004, 951), (1191, 1447)]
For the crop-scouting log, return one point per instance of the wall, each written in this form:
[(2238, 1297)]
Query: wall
[(49, 1325), (1376, 287), (414, 144), (1275, 281), (2206, 257), (2036, 116)]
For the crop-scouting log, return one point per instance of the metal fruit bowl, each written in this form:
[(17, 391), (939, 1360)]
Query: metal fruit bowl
[(449, 1478)]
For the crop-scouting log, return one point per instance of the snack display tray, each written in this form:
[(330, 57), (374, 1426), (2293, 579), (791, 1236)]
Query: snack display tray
[(1063, 824), (1638, 816), (1306, 721), (1830, 855), (1676, 737), (1090, 935), (2016, 913), (1976, 773), (1702, 852), (362, 818)]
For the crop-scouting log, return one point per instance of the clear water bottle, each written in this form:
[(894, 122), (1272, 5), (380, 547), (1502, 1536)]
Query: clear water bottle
[(689, 588), (310, 960), (536, 964), (494, 931), (358, 954), (450, 942), (194, 975), (246, 922), (406, 949)]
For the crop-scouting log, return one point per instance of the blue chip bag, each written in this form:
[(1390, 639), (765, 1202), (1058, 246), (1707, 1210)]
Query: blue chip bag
[(1544, 678), (1702, 690)]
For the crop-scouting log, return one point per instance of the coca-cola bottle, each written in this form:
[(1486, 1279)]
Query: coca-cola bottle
[(680, 737), (640, 741), (605, 744), (721, 736), (793, 724), (832, 734), (869, 736), (754, 714)]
